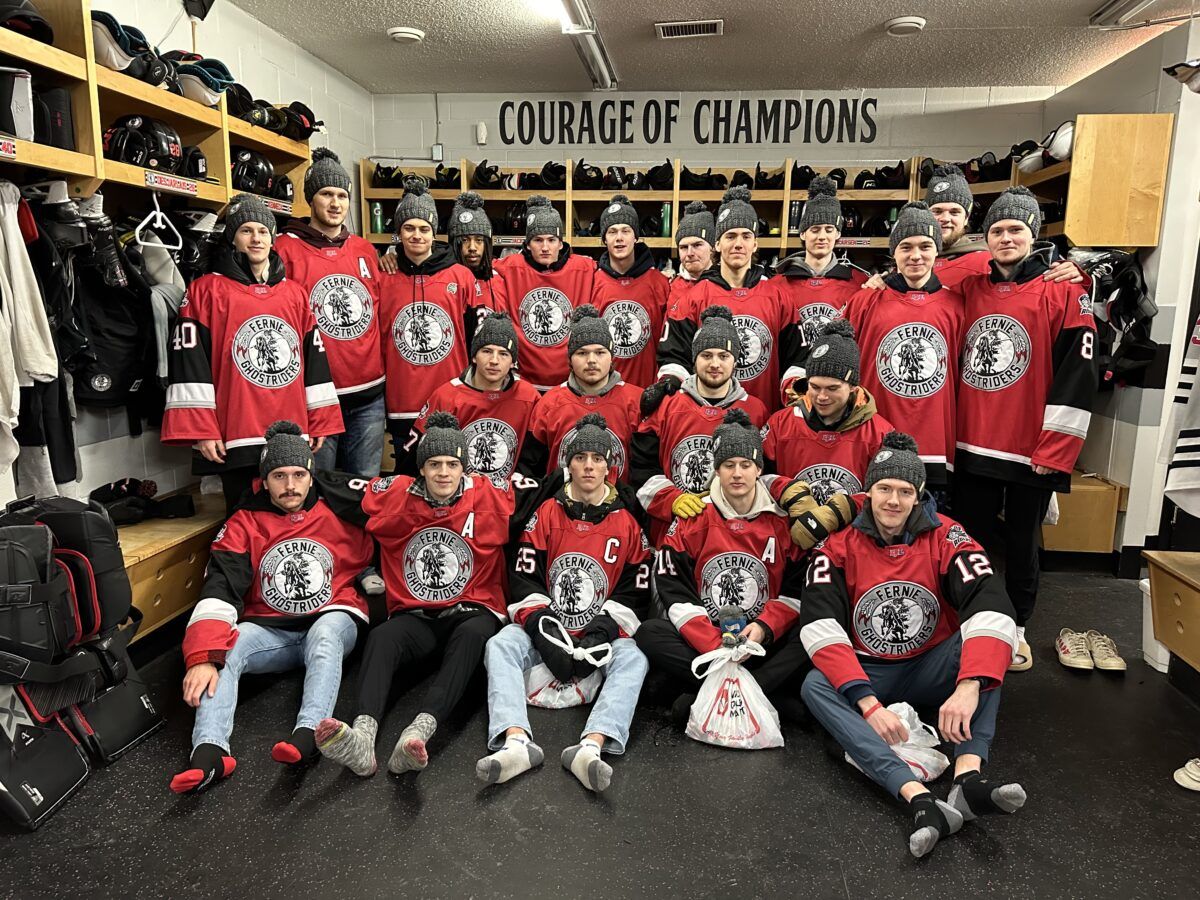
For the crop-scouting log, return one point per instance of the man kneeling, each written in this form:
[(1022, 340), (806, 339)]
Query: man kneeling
[(279, 594), (903, 606)]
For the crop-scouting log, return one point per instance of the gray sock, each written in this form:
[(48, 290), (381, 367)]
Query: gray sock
[(410, 754), (974, 796), (933, 820), (519, 754), (350, 746), (584, 762)]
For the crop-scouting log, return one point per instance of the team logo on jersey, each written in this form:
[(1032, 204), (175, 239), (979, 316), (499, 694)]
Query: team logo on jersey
[(615, 463), (813, 318), (452, 288), (491, 449), (532, 523), (342, 307), (756, 343), (630, 327), (692, 463), (379, 485), (423, 334), (296, 576), (736, 578), (1085, 304), (545, 316), (957, 535), (266, 350), (997, 353), (579, 588), (896, 617), (437, 565), (912, 360), (826, 479)]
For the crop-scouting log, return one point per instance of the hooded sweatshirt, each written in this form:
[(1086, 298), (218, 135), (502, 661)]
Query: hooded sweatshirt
[(633, 304)]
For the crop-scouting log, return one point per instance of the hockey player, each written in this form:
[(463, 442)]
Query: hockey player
[(542, 285), (429, 311), (1025, 396), (916, 324), (593, 386), (442, 537), (759, 309), (903, 607), (739, 552), (279, 593), (830, 434), (491, 401), (672, 450), (694, 242), (630, 293), (581, 575), (246, 351), (339, 273)]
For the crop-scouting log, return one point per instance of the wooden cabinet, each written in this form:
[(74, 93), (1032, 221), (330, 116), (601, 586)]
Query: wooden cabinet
[(1175, 600)]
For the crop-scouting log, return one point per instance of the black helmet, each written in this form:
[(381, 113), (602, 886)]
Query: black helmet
[(764, 181), (554, 176), (801, 176), (742, 178), (146, 142), (446, 178), (194, 164), (251, 171), (284, 189), (851, 220), (894, 177), (838, 176), (614, 179), (865, 180), (486, 178)]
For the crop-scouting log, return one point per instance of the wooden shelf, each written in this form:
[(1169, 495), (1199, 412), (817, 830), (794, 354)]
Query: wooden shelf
[(35, 53), (595, 242), (257, 138), (375, 237), (1054, 229), (119, 89), (882, 196), (43, 156), (634, 196), (518, 196), (757, 196), (397, 193), (135, 176), (989, 187), (1058, 170)]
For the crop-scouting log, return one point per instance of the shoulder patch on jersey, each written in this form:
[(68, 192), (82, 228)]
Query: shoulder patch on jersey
[(532, 523), (379, 485), (674, 527), (957, 535), (221, 533)]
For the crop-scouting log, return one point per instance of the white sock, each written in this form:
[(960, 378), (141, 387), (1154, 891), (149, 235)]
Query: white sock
[(1020, 634), (519, 754), (584, 762)]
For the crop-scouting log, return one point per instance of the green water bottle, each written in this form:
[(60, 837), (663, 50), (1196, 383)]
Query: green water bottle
[(377, 217), (666, 219)]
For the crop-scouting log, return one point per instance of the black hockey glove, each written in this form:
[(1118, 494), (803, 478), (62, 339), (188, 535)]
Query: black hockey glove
[(601, 630), (653, 396), (558, 661)]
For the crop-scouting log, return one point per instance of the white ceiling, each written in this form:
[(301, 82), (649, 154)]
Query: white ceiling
[(478, 46)]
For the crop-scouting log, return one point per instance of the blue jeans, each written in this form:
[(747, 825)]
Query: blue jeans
[(359, 450), (320, 650), (510, 654), (927, 680)]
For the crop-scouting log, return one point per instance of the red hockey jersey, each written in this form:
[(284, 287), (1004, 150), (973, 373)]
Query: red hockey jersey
[(816, 300), (494, 422), (583, 565), (829, 460), (865, 599), (244, 356), (554, 419), (1028, 377), (680, 296), (425, 312), (342, 283), (277, 569), (540, 301), (951, 270), (916, 338), (633, 304), (709, 560)]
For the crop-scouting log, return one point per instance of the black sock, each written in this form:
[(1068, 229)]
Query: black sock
[(207, 765), (299, 749), (926, 813), (304, 741), (973, 795)]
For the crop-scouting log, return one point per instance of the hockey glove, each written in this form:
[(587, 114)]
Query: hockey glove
[(688, 505), (557, 660), (653, 396), (811, 524)]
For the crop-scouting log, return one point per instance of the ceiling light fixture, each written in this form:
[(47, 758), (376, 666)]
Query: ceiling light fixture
[(1118, 12), (903, 26), (403, 34), (580, 26)]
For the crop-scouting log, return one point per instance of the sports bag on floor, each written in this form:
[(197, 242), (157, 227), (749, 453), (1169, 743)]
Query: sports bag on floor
[(118, 719), (731, 710)]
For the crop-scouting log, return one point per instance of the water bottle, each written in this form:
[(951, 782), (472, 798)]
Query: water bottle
[(666, 219), (377, 217), (733, 622)]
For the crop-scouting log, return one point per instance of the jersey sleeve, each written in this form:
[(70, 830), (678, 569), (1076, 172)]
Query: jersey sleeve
[(191, 409), (527, 580), (989, 628), (675, 344), (324, 410), (344, 493), (212, 628), (629, 601), (781, 613), (825, 625), (656, 492), (1073, 387), (534, 461), (675, 582)]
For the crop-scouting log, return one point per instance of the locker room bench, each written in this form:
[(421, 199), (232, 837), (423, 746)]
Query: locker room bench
[(165, 559), (1175, 599)]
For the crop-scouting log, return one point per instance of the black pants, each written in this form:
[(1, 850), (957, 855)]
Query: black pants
[(408, 638), (978, 502), (235, 483), (669, 653)]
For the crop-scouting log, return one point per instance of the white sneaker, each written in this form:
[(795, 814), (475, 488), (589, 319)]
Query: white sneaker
[(1072, 649), (1104, 652), (1188, 775)]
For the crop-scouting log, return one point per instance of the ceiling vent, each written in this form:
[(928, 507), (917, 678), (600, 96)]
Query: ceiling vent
[(697, 28)]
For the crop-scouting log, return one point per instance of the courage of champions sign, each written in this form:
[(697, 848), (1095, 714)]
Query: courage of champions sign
[(711, 122)]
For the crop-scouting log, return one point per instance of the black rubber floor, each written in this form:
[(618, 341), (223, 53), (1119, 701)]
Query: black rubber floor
[(1095, 753)]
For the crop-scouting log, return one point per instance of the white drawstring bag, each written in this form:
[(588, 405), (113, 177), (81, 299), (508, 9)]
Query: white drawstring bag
[(920, 750), (542, 689), (731, 710)]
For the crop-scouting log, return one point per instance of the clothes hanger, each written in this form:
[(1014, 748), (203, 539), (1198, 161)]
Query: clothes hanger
[(158, 220)]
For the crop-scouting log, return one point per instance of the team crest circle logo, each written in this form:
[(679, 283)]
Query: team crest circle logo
[(437, 565), (814, 317), (997, 353), (616, 462), (423, 334), (756, 347), (630, 327), (736, 578), (342, 307), (491, 449), (579, 587), (545, 316), (266, 350), (296, 577), (692, 463), (825, 480), (465, 218), (896, 618), (912, 360)]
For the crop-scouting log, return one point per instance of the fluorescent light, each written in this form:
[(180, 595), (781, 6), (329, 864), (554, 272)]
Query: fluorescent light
[(1118, 12), (577, 17)]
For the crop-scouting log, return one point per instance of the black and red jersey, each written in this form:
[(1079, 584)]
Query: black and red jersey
[(633, 304), (277, 569), (867, 599), (540, 300), (711, 560), (342, 284), (554, 418)]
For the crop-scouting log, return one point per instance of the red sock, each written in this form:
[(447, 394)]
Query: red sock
[(209, 764), (301, 747), (285, 753)]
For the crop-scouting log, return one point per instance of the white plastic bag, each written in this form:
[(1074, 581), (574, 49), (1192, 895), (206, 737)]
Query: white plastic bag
[(920, 750), (544, 690), (731, 710)]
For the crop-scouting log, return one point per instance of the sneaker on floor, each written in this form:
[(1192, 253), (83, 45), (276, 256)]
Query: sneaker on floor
[(1104, 652), (1188, 775), (681, 709), (1072, 649), (1022, 660)]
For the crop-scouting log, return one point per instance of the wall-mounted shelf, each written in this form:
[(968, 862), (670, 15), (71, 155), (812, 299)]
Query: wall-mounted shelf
[(42, 56), (124, 94)]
